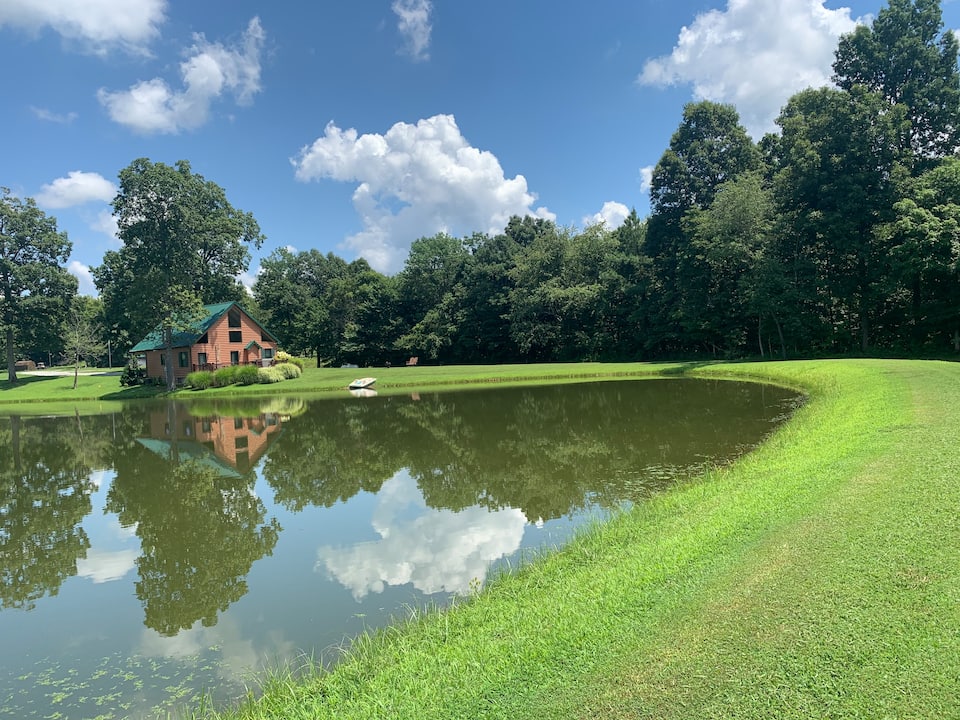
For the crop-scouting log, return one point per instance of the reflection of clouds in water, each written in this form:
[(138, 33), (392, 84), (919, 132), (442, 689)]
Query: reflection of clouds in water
[(105, 565), (435, 550), (238, 657)]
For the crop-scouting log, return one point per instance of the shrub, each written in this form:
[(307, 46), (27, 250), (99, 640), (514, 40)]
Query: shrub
[(225, 376), (246, 375), (285, 357), (199, 380), (132, 374), (289, 370), (270, 375)]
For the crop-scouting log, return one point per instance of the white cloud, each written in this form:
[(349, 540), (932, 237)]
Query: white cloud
[(415, 181), (98, 24), (434, 550), (106, 223), (611, 215), (84, 276), (104, 566), (210, 70), (414, 25), (50, 116), (755, 55), (78, 188), (646, 178)]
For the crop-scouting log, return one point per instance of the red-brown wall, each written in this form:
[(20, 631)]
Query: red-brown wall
[(217, 348)]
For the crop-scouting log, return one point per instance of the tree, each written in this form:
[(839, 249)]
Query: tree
[(905, 57), (835, 188), (34, 286), (83, 339), (183, 245), (709, 148)]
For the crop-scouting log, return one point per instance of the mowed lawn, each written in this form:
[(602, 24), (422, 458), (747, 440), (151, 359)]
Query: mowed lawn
[(818, 577)]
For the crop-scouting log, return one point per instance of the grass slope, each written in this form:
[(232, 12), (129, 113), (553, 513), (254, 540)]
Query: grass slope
[(817, 577)]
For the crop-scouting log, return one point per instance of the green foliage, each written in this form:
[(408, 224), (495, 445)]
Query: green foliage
[(35, 288), (269, 375), (132, 374), (288, 370), (225, 376), (246, 375), (199, 380), (285, 357)]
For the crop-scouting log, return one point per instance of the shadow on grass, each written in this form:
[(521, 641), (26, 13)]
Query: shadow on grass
[(23, 381), (681, 369)]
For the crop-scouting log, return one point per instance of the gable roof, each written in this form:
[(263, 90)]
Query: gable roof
[(186, 338)]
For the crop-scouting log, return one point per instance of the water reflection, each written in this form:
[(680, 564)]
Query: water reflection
[(173, 547), (434, 550)]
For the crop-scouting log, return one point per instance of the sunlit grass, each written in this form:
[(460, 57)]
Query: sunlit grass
[(817, 577)]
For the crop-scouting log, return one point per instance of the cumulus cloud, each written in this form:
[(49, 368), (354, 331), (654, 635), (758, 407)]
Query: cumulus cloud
[(755, 55), (106, 223), (77, 188), (97, 24), (414, 25), (611, 215), (434, 550), (210, 71), (415, 181)]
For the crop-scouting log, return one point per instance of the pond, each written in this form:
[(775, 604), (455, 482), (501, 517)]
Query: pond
[(171, 549)]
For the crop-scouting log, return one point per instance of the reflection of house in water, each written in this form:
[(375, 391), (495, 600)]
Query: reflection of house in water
[(232, 445)]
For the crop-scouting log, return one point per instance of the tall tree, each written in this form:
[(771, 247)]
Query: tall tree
[(34, 286), (906, 58), (83, 339), (183, 245), (709, 148), (835, 188)]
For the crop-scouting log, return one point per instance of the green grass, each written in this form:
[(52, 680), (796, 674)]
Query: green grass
[(30, 393), (817, 577)]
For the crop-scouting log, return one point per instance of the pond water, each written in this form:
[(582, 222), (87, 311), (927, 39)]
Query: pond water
[(173, 549)]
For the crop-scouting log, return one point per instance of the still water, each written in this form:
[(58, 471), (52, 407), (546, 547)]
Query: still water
[(173, 549)]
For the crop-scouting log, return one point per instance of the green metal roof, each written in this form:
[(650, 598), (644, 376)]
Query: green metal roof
[(154, 340)]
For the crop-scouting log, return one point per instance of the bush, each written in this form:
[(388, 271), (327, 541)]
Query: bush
[(225, 376), (285, 357), (132, 374), (199, 380), (246, 375), (270, 375), (289, 370)]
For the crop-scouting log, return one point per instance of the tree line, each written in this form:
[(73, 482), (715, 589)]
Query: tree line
[(840, 233)]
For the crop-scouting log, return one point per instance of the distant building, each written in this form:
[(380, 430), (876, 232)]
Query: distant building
[(227, 335)]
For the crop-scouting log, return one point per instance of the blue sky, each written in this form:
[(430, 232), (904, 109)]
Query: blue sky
[(357, 127)]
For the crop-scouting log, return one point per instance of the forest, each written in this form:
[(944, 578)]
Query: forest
[(837, 235)]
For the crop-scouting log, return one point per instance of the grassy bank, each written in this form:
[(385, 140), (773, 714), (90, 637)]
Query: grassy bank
[(817, 577), (33, 392)]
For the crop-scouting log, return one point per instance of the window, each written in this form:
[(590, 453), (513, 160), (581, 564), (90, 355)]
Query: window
[(183, 359), (233, 318), (201, 358), (236, 336), (267, 353), (238, 423), (240, 442), (234, 357), (206, 426), (163, 359)]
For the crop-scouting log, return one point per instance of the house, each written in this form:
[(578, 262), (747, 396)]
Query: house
[(227, 335)]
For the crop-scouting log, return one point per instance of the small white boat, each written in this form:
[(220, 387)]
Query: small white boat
[(361, 383)]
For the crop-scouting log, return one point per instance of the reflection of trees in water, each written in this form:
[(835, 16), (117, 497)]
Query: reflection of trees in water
[(45, 493), (200, 532), (546, 451)]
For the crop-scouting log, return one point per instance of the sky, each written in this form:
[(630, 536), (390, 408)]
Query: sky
[(358, 127)]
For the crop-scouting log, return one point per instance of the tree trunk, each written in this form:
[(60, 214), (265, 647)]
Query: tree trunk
[(760, 335), (11, 363), (168, 353), (783, 345)]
